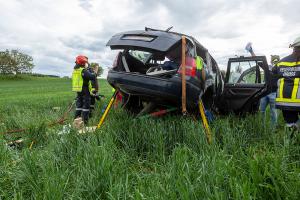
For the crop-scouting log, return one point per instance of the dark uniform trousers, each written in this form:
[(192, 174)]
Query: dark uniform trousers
[(83, 102), (92, 106), (290, 116)]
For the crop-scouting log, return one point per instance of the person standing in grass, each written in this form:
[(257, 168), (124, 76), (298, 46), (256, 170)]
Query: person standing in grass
[(270, 98), (288, 92), (94, 69), (81, 80)]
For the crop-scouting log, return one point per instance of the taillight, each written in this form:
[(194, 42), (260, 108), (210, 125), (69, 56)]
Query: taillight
[(190, 67), (116, 61)]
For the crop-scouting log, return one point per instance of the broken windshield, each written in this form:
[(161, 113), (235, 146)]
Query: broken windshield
[(140, 55)]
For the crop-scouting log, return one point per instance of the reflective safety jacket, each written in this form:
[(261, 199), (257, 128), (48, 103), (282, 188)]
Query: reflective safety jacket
[(82, 78), (287, 71), (77, 80)]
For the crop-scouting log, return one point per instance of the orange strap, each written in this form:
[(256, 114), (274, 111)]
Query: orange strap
[(183, 79)]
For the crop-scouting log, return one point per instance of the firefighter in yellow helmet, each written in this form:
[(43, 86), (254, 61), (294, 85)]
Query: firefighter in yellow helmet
[(287, 71), (83, 82)]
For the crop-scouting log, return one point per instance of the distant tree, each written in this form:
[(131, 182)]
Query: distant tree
[(6, 62), (100, 69), (22, 62), (15, 62)]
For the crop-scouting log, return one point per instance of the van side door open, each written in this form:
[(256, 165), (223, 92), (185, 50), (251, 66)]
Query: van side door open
[(247, 80)]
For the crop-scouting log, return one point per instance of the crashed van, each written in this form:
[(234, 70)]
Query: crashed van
[(148, 72)]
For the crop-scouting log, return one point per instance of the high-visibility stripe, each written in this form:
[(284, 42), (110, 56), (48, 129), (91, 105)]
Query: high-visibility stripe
[(281, 84), (278, 87), (287, 100), (295, 88), (288, 104), (298, 93), (85, 110), (78, 108), (288, 64)]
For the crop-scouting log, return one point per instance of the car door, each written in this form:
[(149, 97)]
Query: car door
[(247, 80)]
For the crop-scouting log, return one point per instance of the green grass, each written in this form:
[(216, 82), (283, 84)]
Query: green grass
[(165, 158)]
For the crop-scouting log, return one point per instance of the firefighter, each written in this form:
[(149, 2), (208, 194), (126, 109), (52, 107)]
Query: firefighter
[(94, 69), (288, 91), (81, 81)]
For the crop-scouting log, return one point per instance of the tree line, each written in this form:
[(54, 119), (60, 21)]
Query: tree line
[(15, 62)]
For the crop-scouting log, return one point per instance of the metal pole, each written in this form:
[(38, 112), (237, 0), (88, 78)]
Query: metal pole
[(107, 109), (204, 121)]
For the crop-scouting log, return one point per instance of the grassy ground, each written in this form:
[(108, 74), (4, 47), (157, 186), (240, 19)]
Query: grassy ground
[(165, 158)]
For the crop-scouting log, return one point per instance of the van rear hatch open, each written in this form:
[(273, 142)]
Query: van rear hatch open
[(151, 40)]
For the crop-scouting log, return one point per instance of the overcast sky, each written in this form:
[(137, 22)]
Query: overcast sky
[(55, 31)]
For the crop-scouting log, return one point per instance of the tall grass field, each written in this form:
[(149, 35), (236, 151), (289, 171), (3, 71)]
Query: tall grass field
[(128, 158)]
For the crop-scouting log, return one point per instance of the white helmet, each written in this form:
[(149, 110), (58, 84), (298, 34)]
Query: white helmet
[(296, 42)]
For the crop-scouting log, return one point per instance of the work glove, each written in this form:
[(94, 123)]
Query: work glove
[(93, 92)]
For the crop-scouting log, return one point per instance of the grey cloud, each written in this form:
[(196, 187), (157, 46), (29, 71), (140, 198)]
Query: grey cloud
[(104, 36), (84, 43), (48, 65), (190, 12), (193, 17), (85, 4), (220, 34), (288, 10)]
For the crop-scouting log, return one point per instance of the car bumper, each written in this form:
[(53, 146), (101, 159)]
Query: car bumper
[(149, 88)]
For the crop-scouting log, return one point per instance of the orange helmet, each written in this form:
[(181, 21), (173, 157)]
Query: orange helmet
[(81, 60)]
